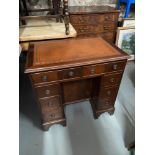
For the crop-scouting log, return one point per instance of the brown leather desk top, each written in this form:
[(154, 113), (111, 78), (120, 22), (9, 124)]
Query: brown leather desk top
[(59, 54)]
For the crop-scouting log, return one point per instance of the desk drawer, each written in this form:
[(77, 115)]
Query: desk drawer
[(108, 27), (93, 69), (58, 114), (108, 92), (50, 104), (44, 77), (106, 97), (110, 17), (111, 79), (46, 91), (84, 29), (86, 19), (104, 103), (70, 73), (115, 66)]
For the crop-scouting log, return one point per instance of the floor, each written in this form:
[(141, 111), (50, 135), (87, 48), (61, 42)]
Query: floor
[(82, 136)]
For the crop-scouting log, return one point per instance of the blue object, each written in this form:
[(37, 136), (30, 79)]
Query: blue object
[(128, 5)]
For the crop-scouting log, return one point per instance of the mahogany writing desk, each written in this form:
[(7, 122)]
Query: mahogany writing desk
[(67, 71)]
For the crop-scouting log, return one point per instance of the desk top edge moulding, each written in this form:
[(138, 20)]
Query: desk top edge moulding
[(60, 69)]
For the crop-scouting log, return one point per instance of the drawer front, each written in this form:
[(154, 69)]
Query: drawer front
[(111, 79), (87, 19), (93, 69), (110, 17), (44, 77), (105, 103), (86, 35), (106, 97), (108, 92), (70, 73), (53, 115), (108, 27), (109, 36), (50, 104), (82, 29), (49, 90), (115, 66)]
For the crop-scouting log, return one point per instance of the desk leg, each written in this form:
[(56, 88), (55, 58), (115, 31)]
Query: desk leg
[(56, 6), (111, 112), (46, 126), (100, 102)]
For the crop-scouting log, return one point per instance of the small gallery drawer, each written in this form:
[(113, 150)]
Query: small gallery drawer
[(93, 69), (115, 66), (70, 73), (50, 104), (46, 91), (108, 92), (111, 79), (58, 114), (44, 77)]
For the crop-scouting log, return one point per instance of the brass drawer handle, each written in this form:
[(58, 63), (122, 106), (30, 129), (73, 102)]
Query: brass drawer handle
[(109, 92), (115, 66), (71, 73), (112, 80), (47, 92), (107, 102), (92, 70), (44, 78)]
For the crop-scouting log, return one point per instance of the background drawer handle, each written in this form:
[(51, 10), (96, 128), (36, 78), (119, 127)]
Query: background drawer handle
[(47, 92), (44, 78), (50, 103), (105, 28), (52, 116), (83, 30), (71, 73), (115, 66), (107, 17)]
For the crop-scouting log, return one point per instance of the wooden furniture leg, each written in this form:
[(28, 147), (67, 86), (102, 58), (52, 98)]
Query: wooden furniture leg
[(66, 16), (56, 7)]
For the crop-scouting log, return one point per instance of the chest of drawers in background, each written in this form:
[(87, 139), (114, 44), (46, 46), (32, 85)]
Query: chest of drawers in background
[(90, 21)]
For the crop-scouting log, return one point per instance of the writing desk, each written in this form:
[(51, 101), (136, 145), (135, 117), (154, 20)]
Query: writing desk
[(67, 71)]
